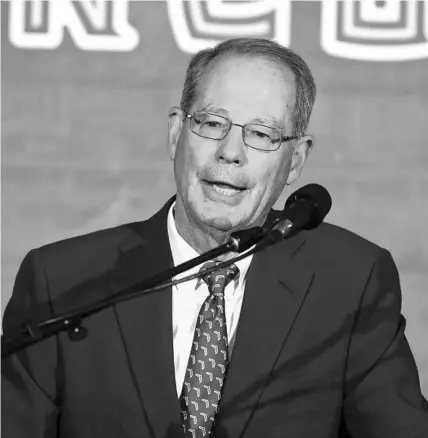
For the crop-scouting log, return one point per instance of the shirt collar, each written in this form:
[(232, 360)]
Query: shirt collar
[(182, 252)]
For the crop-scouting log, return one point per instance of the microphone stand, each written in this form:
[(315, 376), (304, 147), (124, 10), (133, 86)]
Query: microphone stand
[(239, 241)]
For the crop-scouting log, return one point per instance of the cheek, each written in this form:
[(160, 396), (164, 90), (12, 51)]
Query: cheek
[(189, 160), (272, 176)]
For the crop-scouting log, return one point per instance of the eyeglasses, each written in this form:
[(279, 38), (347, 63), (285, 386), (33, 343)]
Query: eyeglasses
[(256, 136)]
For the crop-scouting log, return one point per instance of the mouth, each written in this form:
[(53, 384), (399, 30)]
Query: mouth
[(225, 188)]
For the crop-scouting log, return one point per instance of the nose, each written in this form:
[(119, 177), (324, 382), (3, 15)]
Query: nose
[(232, 149)]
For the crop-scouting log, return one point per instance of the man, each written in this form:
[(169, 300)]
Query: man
[(304, 338)]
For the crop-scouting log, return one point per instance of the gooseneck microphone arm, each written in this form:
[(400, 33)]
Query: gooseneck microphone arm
[(305, 209), (34, 332)]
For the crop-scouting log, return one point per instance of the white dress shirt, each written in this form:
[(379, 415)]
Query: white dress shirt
[(188, 297)]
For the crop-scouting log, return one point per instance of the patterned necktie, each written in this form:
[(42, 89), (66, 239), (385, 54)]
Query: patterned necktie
[(208, 359)]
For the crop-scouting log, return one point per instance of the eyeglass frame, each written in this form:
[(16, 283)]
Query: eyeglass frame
[(282, 139)]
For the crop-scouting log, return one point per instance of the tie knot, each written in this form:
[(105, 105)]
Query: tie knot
[(218, 280)]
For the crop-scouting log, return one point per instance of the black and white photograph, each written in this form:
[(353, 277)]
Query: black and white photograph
[(214, 218)]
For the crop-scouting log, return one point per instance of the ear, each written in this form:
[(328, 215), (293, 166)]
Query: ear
[(175, 125), (300, 154)]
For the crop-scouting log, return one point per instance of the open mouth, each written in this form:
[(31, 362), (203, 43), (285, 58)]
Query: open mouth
[(225, 188)]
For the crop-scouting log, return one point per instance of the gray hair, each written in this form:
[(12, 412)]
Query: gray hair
[(263, 48)]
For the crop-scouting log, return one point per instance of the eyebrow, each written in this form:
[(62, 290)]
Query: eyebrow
[(214, 109), (269, 121)]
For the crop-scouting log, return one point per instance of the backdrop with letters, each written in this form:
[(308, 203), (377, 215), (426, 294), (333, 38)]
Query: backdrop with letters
[(86, 86)]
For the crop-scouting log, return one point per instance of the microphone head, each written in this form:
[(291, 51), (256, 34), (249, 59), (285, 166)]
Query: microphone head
[(318, 198)]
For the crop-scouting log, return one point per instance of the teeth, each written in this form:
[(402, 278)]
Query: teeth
[(225, 190)]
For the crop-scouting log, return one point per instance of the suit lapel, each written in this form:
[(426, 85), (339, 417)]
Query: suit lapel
[(146, 324), (275, 290)]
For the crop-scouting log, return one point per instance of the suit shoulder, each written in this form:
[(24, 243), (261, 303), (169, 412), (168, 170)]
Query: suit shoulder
[(81, 262), (94, 242), (335, 240), (112, 237)]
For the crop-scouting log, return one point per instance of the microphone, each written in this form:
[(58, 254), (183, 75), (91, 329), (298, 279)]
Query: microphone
[(305, 209)]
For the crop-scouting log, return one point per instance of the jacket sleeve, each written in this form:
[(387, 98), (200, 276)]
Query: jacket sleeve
[(382, 394), (29, 389)]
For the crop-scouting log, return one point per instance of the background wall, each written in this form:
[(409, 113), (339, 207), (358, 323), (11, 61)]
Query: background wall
[(86, 87)]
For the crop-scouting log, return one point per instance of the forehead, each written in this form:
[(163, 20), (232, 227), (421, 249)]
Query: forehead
[(248, 88)]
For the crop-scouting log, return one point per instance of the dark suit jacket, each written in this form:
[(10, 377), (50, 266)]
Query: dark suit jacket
[(320, 348)]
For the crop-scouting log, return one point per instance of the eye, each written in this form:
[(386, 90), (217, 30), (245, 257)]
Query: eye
[(212, 124), (209, 120), (260, 134)]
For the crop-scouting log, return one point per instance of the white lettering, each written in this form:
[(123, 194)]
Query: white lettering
[(92, 24), (200, 24), (375, 30)]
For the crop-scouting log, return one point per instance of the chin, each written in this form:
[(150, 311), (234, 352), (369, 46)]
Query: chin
[(220, 224), (221, 213), (222, 219)]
